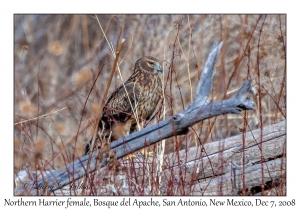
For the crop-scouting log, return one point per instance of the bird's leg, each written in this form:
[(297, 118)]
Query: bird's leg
[(140, 125), (127, 127)]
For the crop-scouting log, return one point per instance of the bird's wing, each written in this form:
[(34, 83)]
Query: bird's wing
[(123, 101)]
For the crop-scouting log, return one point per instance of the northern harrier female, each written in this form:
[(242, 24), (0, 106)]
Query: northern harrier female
[(131, 104)]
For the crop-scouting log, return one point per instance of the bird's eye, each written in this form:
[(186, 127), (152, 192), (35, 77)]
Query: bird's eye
[(150, 62)]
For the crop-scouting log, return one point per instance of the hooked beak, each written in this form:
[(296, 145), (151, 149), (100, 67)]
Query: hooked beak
[(158, 67)]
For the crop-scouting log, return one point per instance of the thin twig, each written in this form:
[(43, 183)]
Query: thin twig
[(101, 108), (42, 116)]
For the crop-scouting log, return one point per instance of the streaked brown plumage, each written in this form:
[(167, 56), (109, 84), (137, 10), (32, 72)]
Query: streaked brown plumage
[(131, 104)]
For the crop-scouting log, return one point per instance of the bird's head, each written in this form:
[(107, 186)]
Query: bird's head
[(148, 64)]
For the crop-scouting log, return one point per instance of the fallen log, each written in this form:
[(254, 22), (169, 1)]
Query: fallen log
[(211, 167)]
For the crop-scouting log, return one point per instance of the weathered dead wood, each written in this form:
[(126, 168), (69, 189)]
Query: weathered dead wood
[(214, 158), (221, 157), (274, 170), (200, 109), (217, 159)]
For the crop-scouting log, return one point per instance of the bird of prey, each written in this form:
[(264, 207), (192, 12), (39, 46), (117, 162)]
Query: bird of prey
[(133, 102)]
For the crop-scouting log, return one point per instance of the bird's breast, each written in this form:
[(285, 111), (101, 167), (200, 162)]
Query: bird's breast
[(152, 93)]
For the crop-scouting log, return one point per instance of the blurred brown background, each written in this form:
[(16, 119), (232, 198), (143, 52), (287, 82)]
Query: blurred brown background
[(57, 59)]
